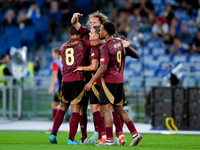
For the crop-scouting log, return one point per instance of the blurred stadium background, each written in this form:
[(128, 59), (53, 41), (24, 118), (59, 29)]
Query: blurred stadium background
[(165, 33)]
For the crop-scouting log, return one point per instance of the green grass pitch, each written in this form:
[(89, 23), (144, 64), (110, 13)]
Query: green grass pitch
[(21, 140)]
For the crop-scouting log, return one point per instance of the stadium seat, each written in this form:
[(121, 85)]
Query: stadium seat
[(149, 72), (143, 50), (189, 82), (160, 73), (3, 49), (165, 65), (158, 51), (128, 73), (41, 30), (135, 66), (147, 36), (27, 34), (154, 43), (180, 58), (194, 58), (11, 31), (164, 58), (13, 41), (180, 13), (135, 83)]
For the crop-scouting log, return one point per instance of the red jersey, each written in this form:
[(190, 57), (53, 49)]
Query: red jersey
[(95, 54), (73, 54), (84, 33), (112, 55)]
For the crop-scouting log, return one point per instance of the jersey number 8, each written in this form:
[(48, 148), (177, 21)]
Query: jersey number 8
[(69, 52)]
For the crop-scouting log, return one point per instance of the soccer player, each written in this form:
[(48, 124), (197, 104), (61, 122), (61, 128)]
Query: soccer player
[(73, 55), (56, 80), (111, 89), (98, 18), (94, 92), (95, 18)]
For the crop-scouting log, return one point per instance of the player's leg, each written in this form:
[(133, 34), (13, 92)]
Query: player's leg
[(124, 115), (119, 129), (58, 121), (83, 119), (73, 124), (55, 104), (76, 98), (97, 116)]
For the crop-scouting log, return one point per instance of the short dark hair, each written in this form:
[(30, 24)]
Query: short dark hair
[(109, 27), (73, 31), (56, 50), (3, 56), (97, 29)]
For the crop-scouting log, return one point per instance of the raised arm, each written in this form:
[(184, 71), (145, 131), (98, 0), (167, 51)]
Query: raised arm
[(75, 21)]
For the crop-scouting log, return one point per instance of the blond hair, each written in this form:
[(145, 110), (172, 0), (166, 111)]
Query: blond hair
[(101, 16)]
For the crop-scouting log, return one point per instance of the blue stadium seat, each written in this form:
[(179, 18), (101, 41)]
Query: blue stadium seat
[(165, 65), (157, 2), (13, 41), (189, 82), (44, 72), (128, 73), (11, 31), (193, 30), (180, 13), (178, 58), (194, 58), (143, 50), (164, 58), (160, 73), (41, 30), (158, 51), (28, 37), (154, 43), (135, 83), (28, 34), (149, 73), (3, 49), (136, 67)]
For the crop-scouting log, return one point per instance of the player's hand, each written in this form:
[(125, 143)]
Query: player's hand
[(88, 86), (75, 17), (51, 90), (123, 38), (78, 69), (126, 43)]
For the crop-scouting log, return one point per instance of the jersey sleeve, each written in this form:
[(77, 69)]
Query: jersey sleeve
[(94, 53), (83, 30), (104, 56), (55, 67)]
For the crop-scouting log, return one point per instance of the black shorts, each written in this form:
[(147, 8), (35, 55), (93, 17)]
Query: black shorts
[(94, 94), (57, 96), (111, 93), (72, 92)]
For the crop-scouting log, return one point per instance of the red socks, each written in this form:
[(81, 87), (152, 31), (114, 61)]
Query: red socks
[(118, 124), (131, 127), (109, 133), (98, 119), (57, 121), (73, 125), (83, 124), (54, 111)]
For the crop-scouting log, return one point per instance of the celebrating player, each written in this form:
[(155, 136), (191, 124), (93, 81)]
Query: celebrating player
[(111, 89), (73, 55)]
